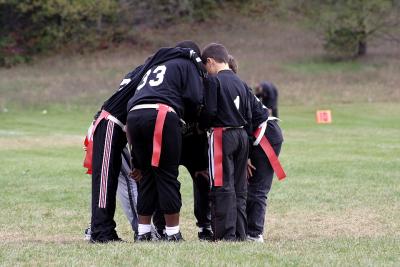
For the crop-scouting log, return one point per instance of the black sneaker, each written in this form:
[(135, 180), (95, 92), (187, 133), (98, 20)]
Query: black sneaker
[(159, 235), (206, 234), (175, 238), (102, 241), (143, 238)]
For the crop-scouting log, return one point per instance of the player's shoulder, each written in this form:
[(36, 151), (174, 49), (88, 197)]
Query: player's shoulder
[(228, 75), (134, 72), (180, 64), (247, 87), (179, 61)]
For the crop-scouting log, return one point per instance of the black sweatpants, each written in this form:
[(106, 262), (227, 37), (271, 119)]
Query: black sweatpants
[(258, 189), (228, 202), (108, 143), (159, 187)]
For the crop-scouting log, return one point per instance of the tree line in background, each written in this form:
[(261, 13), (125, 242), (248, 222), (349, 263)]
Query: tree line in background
[(29, 27), (346, 26)]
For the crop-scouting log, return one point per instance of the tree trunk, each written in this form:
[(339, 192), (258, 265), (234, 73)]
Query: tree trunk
[(362, 47), (362, 35)]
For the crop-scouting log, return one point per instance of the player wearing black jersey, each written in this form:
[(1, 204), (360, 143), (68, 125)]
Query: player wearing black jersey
[(106, 141), (268, 94), (267, 133), (228, 113), (169, 92), (260, 169)]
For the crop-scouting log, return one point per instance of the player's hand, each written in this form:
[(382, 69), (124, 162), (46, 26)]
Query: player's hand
[(250, 169), (136, 175)]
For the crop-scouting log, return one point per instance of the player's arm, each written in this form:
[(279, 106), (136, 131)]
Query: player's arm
[(210, 101), (193, 94), (128, 77)]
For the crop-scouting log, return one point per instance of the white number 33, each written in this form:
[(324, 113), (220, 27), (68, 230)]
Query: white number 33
[(159, 71)]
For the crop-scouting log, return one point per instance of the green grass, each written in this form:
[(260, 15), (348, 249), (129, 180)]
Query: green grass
[(322, 66), (340, 204)]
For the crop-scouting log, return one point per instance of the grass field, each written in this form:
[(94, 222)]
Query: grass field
[(340, 204)]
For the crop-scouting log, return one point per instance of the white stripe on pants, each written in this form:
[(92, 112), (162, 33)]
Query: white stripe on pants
[(105, 165), (211, 158)]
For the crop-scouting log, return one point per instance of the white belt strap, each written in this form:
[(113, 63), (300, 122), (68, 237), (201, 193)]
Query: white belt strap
[(238, 127), (152, 106), (90, 131), (263, 127), (115, 120)]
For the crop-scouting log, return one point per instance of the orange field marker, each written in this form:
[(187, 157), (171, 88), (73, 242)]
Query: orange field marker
[(324, 116)]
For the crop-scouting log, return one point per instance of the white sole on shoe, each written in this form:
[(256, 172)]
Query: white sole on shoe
[(258, 239)]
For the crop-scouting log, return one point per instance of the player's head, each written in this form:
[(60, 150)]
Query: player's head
[(263, 88), (189, 44), (258, 90), (215, 57), (233, 65)]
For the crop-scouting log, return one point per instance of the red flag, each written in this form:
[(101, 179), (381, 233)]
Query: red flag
[(158, 134), (273, 159), (218, 157)]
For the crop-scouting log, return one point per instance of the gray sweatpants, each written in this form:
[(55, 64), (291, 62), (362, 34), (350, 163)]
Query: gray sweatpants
[(127, 191)]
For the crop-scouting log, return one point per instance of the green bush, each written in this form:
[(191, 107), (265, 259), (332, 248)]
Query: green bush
[(347, 26), (30, 27)]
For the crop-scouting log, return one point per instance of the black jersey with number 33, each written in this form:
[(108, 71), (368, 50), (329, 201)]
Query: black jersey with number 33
[(175, 83), (117, 103)]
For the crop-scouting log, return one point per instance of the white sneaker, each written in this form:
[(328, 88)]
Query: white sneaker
[(88, 234), (258, 239)]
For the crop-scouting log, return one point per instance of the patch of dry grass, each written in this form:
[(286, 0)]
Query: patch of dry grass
[(30, 142), (356, 222)]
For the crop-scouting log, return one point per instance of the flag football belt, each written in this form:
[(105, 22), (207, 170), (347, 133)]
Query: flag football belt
[(261, 140), (88, 143), (158, 129), (218, 153)]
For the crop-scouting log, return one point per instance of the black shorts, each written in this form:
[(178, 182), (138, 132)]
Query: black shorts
[(159, 186)]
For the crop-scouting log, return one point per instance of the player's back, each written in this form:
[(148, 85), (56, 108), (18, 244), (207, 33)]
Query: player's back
[(174, 82), (233, 103)]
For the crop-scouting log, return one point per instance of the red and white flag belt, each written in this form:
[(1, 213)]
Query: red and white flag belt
[(259, 134), (263, 128), (88, 143), (104, 115), (158, 129)]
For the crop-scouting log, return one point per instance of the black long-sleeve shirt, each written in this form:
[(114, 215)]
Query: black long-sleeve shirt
[(269, 97), (226, 101), (176, 83), (117, 103)]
